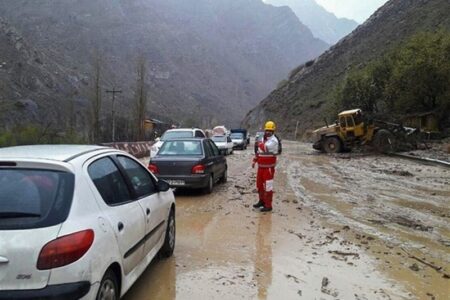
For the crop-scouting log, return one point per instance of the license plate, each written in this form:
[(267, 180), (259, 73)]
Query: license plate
[(175, 182)]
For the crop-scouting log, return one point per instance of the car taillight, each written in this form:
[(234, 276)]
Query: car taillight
[(153, 168), (65, 250), (198, 169)]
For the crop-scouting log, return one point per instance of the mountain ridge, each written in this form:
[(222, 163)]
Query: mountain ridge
[(307, 95)]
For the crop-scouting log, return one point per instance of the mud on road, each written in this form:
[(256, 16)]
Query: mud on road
[(348, 226)]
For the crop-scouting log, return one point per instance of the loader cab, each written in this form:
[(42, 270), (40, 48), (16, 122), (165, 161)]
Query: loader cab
[(351, 124)]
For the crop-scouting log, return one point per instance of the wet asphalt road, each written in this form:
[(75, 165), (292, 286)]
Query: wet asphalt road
[(343, 227)]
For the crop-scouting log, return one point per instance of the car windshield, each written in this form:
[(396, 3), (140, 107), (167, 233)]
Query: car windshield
[(180, 148), (33, 196), (237, 135), (219, 139), (169, 135)]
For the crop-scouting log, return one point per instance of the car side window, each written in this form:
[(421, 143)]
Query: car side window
[(141, 180), (229, 139), (109, 182), (214, 149), (198, 133), (208, 150)]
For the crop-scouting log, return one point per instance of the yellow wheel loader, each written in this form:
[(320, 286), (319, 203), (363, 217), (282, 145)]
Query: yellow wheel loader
[(353, 129)]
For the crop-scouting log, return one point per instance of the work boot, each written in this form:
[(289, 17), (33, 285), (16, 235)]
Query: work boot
[(259, 204), (264, 209)]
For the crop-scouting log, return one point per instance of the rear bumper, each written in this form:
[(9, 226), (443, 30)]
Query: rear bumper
[(239, 145), (74, 290), (190, 181)]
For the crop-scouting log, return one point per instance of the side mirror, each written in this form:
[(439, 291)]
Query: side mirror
[(157, 139), (223, 151), (163, 186)]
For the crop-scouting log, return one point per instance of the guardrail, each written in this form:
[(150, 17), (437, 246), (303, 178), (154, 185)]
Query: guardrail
[(137, 149)]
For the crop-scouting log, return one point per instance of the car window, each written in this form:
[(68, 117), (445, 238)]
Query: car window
[(218, 139), (177, 134), (140, 178), (109, 181), (31, 198), (237, 135), (198, 133), (181, 148), (214, 148), (208, 149)]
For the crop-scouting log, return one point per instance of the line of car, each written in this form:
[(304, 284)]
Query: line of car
[(83, 222)]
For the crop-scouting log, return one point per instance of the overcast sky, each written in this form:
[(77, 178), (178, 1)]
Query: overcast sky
[(358, 10)]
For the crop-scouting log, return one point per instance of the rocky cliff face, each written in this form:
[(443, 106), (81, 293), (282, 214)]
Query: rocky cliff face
[(33, 88), (208, 61), (307, 95), (323, 24)]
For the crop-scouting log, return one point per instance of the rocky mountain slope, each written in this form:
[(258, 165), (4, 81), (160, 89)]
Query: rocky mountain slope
[(30, 82), (307, 95), (208, 61), (323, 24)]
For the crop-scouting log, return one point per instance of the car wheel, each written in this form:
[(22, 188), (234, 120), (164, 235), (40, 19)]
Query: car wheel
[(169, 241), (109, 289), (209, 187), (224, 178)]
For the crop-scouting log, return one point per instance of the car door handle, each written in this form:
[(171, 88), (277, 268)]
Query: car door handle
[(148, 211), (210, 164), (120, 226)]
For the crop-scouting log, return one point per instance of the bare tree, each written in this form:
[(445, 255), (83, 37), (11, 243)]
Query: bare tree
[(141, 98), (96, 101)]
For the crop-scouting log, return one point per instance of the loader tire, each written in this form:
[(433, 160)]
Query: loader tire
[(383, 141), (332, 145)]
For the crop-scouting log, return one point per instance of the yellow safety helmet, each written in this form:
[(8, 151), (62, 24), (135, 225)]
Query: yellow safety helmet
[(270, 126)]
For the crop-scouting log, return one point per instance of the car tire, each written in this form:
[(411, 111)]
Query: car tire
[(209, 188), (169, 241), (109, 288), (224, 177)]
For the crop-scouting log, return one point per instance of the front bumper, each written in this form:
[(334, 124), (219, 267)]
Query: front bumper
[(190, 181), (74, 290), (239, 145)]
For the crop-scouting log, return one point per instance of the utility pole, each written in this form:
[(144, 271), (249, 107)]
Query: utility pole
[(295, 134), (113, 92)]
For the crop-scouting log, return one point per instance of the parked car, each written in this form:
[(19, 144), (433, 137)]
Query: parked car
[(79, 222), (239, 140), (244, 132), (224, 143), (190, 163), (174, 134)]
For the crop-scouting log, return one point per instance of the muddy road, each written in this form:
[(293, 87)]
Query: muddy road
[(343, 227)]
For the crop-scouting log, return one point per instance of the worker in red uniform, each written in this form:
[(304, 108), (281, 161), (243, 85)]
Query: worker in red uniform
[(266, 158)]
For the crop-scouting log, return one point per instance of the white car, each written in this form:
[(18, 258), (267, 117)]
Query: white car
[(175, 134), (79, 222), (224, 143)]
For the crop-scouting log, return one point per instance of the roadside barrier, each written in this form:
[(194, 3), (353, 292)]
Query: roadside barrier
[(137, 149)]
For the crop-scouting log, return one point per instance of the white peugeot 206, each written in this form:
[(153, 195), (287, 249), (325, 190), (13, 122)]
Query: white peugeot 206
[(79, 222)]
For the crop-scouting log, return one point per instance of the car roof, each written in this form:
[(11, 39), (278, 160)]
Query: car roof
[(187, 139), (183, 129), (49, 152)]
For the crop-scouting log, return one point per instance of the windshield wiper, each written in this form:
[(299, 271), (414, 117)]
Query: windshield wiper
[(12, 214)]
